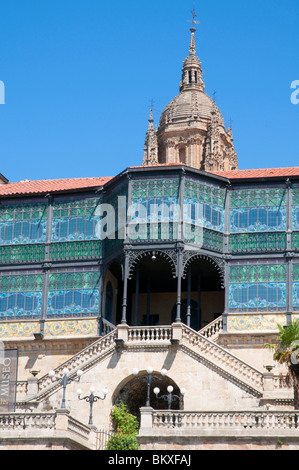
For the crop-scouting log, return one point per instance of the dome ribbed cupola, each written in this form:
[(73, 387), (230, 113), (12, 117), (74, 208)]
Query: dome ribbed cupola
[(191, 129)]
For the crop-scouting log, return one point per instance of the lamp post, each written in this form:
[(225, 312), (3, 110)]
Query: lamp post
[(91, 399), (64, 381), (149, 378), (170, 397)]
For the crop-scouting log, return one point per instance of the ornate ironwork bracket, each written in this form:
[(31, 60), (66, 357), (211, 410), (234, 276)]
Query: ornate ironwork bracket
[(219, 263)]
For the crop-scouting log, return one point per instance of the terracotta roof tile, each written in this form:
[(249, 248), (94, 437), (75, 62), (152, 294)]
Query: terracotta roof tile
[(259, 173), (28, 187), (240, 174)]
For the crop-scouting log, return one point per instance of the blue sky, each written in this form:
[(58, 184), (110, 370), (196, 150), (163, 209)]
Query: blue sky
[(79, 77)]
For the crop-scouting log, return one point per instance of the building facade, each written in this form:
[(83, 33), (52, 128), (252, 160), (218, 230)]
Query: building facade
[(185, 262)]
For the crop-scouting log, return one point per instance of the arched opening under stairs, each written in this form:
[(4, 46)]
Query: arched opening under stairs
[(133, 393)]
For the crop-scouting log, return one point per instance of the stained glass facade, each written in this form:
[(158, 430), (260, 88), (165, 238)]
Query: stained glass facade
[(204, 206), (295, 287), (258, 287), (154, 209), (258, 219), (75, 220), (21, 224), (21, 296), (56, 245), (295, 217), (73, 294)]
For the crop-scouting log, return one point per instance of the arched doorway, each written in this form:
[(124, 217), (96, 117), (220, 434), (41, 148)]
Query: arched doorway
[(133, 393)]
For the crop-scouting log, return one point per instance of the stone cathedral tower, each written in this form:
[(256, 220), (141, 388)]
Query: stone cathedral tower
[(191, 129)]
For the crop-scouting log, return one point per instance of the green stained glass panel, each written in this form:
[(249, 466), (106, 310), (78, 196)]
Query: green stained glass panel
[(296, 272)]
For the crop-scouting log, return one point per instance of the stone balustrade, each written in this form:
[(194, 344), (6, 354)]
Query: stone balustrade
[(149, 334), (45, 428), (220, 422), (222, 359), (212, 330), (82, 359)]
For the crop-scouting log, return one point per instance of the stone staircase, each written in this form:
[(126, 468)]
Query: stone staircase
[(199, 345)]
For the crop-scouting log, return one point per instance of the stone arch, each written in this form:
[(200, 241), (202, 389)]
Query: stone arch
[(132, 391)]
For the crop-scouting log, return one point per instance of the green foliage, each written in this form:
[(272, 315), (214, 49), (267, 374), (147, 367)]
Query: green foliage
[(118, 442), (288, 342), (126, 426)]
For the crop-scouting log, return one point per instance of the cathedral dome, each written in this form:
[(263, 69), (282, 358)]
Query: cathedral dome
[(191, 130), (191, 106)]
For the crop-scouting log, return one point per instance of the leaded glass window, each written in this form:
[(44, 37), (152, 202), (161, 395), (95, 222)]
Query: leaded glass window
[(295, 218), (251, 242), (76, 220), (258, 210), (24, 223), (154, 211), (204, 205), (296, 287), (257, 288), (20, 296), (73, 294)]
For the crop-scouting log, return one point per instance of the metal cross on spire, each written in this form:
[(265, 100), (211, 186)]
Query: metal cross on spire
[(194, 22)]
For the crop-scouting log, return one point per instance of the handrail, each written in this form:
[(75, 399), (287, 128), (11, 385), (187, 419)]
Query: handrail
[(228, 420), (213, 328), (222, 359), (149, 333)]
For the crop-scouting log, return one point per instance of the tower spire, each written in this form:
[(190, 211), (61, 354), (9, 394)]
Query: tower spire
[(150, 156), (192, 48), (192, 72)]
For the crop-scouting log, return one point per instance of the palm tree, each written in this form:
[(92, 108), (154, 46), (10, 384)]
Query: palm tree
[(286, 351)]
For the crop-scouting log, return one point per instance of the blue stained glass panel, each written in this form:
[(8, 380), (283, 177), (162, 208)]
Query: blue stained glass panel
[(73, 303), (202, 214), (20, 304), (258, 219), (75, 228), (296, 217), (155, 209), (262, 296), (26, 231), (296, 296)]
